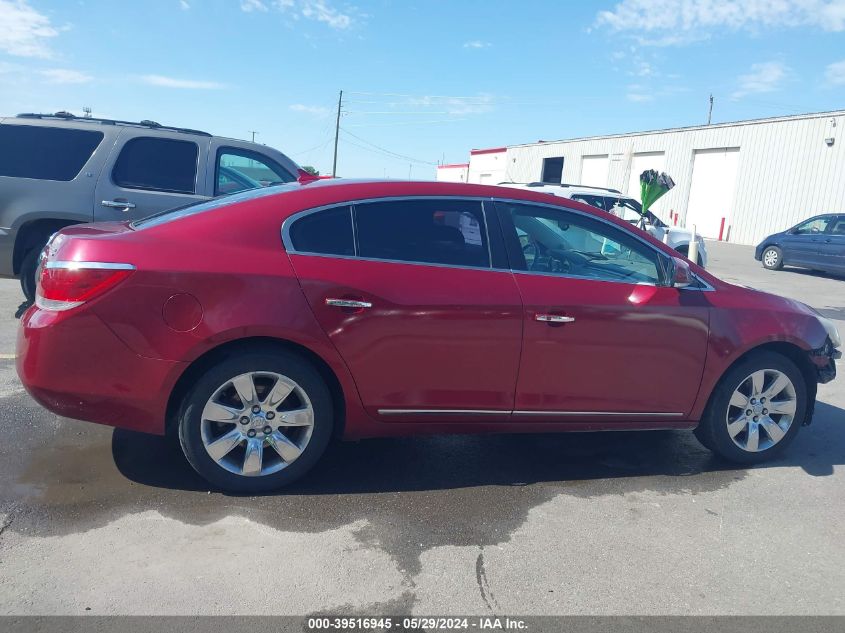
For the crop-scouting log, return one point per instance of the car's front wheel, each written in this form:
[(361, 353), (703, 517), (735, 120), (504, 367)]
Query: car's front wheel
[(772, 258), (256, 421), (756, 409)]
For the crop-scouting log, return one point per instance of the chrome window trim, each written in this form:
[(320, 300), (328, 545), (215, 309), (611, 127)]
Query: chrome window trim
[(288, 222), (486, 212), (64, 264), (620, 414)]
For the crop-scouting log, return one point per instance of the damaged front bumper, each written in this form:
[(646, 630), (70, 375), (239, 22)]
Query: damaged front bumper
[(824, 360)]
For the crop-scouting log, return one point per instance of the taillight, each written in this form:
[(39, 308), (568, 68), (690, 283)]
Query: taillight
[(65, 285)]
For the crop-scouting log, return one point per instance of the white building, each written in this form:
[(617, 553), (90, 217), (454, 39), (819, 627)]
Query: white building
[(741, 181), (456, 172)]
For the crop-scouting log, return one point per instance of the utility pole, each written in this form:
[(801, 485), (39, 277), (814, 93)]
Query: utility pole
[(253, 132), (337, 133), (710, 112)]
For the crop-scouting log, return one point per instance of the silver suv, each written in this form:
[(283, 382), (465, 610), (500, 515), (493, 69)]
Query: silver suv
[(59, 169)]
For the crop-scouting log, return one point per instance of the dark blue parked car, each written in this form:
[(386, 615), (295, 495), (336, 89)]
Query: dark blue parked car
[(817, 243)]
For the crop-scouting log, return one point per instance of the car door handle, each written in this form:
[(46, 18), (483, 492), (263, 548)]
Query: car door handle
[(553, 318), (348, 303), (118, 204)]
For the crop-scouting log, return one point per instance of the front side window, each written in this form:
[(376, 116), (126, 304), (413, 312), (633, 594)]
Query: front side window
[(326, 232), (158, 164), (816, 225), (450, 232), (553, 241), (45, 153), (239, 170)]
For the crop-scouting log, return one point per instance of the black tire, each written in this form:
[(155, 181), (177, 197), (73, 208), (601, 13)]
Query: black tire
[(282, 362), (712, 430), (684, 250), (774, 256), (29, 265)]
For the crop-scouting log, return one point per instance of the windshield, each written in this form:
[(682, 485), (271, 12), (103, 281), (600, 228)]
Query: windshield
[(209, 205)]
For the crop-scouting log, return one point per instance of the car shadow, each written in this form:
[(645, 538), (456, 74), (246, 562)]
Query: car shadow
[(449, 462), (815, 273)]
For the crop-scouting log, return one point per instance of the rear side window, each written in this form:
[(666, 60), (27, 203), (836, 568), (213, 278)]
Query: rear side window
[(326, 232), (45, 153), (448, 232), (159, 164)]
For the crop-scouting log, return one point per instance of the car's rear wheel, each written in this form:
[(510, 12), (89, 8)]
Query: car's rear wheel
[(772, 258), (256, 422), (756, 409)]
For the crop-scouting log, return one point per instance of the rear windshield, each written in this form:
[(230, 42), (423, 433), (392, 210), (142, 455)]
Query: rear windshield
[(45, 153), (201, 207)]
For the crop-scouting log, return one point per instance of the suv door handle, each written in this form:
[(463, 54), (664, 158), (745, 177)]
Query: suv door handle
[(118, 204), (348, 303), (553, 318)]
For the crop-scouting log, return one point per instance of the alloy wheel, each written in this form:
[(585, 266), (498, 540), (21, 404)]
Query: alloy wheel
[(257, 423), (761, 410), (770, 258)]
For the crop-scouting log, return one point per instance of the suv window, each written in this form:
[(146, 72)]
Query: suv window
[(554, 241), (839, 227), (448, 232), (45, 153), (238, 170), (816, 225), (159, 164), (326, 232)]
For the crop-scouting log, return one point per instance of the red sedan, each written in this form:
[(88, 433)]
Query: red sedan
[(259, 326)]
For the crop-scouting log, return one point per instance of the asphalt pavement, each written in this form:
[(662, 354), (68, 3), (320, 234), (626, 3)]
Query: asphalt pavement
[(101, 521)]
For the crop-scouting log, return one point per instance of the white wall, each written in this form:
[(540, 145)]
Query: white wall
[(452, 173), (489, 168), (785, 170)]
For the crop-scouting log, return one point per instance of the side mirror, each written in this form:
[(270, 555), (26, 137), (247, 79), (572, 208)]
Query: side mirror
[(681, 276)]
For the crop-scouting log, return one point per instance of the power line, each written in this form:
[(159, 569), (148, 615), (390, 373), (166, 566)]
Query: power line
[(379, 148)]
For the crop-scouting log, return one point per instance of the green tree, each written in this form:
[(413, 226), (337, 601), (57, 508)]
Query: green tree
[(311, 170)]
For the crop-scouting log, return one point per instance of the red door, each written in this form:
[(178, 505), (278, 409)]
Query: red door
[(435, 339), (603, 338)]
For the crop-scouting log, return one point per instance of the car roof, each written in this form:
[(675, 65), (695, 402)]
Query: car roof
[(70, 118)]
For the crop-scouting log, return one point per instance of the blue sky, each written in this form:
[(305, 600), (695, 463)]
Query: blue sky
[(424, 82)]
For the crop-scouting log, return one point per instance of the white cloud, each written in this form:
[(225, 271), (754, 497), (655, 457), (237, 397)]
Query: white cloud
[(24, 31), (65, 76), (673, 22), (253, 5), (453, 106), (318, 10), (765, 77), (477, 44), (189, 84), (638, 94), (834, 74), (184, 4), (310, 109)]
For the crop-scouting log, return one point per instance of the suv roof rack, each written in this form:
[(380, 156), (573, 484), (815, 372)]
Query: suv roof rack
[(68, 116), (568, 184)]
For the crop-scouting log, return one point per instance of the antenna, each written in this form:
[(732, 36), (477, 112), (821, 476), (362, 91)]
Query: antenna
[(710, 112)]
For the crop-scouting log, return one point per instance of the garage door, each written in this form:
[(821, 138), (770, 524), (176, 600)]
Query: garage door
[(594, 170), (712, 189), (640, 163)]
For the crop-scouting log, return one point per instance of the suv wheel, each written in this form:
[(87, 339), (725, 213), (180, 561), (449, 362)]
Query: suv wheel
[(29, 267), (256, 422), (772, 258), (755, 410), (684, 250)]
